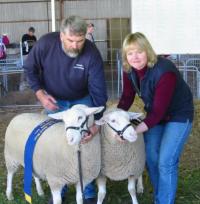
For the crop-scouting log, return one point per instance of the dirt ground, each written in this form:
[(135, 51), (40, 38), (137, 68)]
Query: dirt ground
[(25, 97), (8, 110), (5, 117)]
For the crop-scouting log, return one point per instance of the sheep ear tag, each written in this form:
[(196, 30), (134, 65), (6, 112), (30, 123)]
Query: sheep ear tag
[(133, 115)]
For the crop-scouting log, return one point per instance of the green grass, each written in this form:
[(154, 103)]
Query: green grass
[(188, 190)]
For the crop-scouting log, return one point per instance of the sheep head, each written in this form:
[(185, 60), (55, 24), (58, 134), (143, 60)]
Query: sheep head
[(119, 123), (77, 121)]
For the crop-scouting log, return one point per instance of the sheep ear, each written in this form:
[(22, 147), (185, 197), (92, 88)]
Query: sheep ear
[(102, 120), (93, 110), (57, 116), (133, 115)]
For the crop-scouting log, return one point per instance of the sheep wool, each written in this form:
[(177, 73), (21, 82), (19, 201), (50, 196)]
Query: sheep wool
[(53, 160), (121, 160)]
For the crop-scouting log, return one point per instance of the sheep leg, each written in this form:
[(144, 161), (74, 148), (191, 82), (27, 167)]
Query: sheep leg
[(9, 193), (140, 187), (101, 183), (56, 196), (12, 167), (79, 199), (38, 186), (131, 189)]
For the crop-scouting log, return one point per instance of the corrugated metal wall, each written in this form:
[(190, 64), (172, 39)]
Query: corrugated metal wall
[(17, 16), (110, 17), (99, 12), (99, 8)]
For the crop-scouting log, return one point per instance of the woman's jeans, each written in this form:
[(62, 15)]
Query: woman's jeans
[(164, 144), (89, 191)]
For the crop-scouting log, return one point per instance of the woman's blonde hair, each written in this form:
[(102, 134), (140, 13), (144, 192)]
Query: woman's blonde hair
[(139, 40)]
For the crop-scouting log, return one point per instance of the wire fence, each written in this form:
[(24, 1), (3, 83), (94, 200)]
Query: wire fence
[(188, 65), (189, 68), (12, 64)]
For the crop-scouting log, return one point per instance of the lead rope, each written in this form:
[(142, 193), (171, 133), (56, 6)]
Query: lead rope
[(80, 172)]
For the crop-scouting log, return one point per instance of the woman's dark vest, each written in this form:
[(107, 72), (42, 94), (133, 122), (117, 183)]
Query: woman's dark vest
[(181, 106)]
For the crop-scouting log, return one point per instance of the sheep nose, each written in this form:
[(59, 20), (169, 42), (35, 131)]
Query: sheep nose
[(71, 140)]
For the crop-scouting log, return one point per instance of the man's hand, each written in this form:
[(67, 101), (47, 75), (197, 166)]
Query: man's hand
[(47, 101), (93, 131)]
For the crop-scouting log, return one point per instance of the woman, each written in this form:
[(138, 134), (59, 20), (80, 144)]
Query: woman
[(169, 106)]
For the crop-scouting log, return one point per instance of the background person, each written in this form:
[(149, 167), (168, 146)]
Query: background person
[(90, 30), (169, 105), (2, 50), (65, 69), (5, 39), (28, 41)]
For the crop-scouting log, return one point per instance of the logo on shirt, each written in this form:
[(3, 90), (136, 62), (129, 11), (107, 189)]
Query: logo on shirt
[(79, 66)]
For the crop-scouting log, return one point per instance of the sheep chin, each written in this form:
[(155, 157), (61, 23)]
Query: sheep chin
[(72, 141), (132, 139)]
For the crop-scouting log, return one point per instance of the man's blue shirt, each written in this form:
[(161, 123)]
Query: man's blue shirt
[(64, 77)]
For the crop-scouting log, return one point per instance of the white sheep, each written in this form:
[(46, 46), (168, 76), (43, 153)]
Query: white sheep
[(55, 154), (121, 159)]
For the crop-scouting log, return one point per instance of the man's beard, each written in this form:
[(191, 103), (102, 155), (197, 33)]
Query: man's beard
[(71, 53)]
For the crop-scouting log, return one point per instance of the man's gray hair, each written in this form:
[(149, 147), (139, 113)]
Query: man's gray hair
[(74, 25)]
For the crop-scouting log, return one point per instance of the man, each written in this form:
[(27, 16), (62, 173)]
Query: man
[(64, 68), (2, 50), (28, 40), (5, 39), (90, 30)]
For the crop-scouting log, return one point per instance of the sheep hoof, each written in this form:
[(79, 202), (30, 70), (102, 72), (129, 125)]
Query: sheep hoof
[(41, 193), (9, 196), (140, 190)]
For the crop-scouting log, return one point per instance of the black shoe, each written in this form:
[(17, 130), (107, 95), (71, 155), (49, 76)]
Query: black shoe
[(90, 201)]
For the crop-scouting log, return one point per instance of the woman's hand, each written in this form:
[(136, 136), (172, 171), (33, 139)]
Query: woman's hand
[(142, 127), (93, 131)]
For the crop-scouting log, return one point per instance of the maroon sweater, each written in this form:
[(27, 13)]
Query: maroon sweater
[(162, 98)]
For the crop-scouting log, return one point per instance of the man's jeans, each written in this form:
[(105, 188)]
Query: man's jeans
[(89, 191), (66, 104), (164, 144)]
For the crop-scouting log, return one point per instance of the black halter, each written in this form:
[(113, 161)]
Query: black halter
[(81, 128), (120, 132)]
